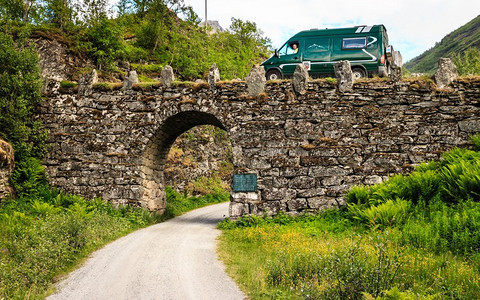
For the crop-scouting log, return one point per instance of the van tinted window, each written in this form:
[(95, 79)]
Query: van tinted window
[(354, 43), (314, 45)]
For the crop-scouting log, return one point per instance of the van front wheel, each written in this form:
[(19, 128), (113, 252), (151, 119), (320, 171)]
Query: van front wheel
[(358, 73), (274, 75)]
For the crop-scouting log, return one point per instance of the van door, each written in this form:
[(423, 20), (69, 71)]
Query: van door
[(289, 58), (317, 51)]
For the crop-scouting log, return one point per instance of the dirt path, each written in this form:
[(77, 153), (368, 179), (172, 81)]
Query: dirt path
[(171, 260)]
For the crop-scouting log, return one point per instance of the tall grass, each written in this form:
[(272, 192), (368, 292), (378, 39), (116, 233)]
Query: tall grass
[(45, 236), (178, 204), (414, 236), (44, 232)]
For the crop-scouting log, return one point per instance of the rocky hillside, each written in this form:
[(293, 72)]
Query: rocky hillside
[(456, 42), (200, 161)]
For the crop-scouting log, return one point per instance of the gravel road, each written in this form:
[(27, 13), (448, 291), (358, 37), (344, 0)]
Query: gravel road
[(171, 260)]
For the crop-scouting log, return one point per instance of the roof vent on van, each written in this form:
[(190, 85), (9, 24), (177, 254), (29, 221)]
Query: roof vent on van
[(313, 28), (363, 29)]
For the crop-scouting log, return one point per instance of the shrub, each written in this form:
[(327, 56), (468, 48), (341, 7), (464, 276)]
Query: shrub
[(392, 212), (29, 178), (469, 62), (476, 142), (20, 84), (461, 181)]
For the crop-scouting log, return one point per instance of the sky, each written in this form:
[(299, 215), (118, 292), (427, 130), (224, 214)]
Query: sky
[(413, 26)]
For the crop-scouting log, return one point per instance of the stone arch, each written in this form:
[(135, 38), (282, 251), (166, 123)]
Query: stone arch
[(155, 154)]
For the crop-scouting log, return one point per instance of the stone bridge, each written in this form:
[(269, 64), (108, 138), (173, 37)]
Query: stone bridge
[(305, 149)]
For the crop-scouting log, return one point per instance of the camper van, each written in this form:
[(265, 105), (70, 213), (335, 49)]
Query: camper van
[(366, 47)]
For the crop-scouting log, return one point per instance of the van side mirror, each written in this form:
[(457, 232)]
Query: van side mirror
[(276, 53)]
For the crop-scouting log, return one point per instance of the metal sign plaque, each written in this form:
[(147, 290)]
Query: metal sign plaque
[(245, 182)]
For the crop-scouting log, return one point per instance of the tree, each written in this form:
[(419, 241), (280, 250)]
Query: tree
[(92, 11), (59, 12), (18, 10), (107, 42), (20, 84), (469, 62)]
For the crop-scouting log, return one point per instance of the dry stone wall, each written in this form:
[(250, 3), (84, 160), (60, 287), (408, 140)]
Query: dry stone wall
[(306, 149)]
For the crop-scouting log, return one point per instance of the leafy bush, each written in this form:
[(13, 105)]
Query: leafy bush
[(392, 212), (468, 63), (20, 84), (106, 43), (44, 236), (476, 141), (29, 178)]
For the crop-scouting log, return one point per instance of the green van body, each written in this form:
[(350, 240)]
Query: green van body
[(365, 47)]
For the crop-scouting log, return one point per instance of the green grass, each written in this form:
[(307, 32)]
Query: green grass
[(45, 236), (177, 203), (414, 236), (45, 233)]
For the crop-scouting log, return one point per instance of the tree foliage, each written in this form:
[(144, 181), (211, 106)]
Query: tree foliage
[(20, 85), (469, 62), (146, 31)]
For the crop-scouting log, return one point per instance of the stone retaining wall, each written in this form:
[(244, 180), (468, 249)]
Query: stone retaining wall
[(306, 149)]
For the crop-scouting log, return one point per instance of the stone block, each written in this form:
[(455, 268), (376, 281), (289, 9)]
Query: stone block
[(86, 83), (302, 183), (236, 210), (243, 197), (446, 72), (256, 81), (296, 204), (130, 80), (213, 76), (300, 79), (167, 76), (318, 202), (271, 207), (344, 75)]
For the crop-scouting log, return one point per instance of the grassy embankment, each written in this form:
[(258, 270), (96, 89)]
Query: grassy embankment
[(44, 233), (414, 236)]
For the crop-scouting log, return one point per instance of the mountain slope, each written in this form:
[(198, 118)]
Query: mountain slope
[(454, 43)]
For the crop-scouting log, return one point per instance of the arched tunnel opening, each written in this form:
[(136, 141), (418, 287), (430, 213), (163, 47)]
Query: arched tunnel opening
[(189, 153)]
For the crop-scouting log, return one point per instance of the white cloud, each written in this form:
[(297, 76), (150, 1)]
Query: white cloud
[(413, 25)]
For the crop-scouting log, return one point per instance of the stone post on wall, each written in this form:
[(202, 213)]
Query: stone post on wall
[(446, 72), (300, 79), (344, 75), (213, 76), (6, 167), (167, 76), (256, 81), (130, 80), (86, 82)]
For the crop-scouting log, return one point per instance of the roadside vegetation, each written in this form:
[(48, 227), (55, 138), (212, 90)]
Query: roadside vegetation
[(45, 233), (147, 34), (415, 236)]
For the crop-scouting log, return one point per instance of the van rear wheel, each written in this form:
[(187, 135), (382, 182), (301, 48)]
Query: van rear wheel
[(274, 75), (358, 73)]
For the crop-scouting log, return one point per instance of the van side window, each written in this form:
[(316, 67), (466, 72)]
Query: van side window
[(315, 45), (354, 43)]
